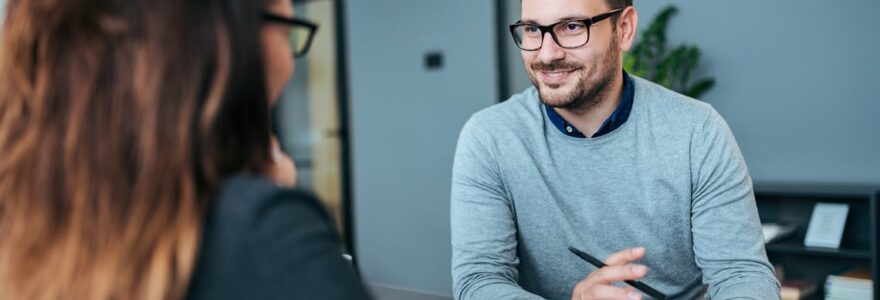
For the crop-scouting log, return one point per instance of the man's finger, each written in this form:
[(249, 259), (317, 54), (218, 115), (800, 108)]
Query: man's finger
[(612, 274), (625, 256)]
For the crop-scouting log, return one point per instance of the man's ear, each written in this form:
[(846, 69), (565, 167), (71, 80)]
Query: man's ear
[(627, 25)]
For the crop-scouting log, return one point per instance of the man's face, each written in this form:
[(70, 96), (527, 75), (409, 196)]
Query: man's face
[(572, 78)]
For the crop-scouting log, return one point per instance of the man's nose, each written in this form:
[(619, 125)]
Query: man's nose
[(550, 51)]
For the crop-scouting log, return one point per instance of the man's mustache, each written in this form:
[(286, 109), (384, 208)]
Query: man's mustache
[(555, 66)]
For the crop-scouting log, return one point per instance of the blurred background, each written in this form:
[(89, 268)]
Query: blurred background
[(373, 113), (796, 80)]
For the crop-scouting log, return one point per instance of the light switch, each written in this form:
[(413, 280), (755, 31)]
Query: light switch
[(434, 60)]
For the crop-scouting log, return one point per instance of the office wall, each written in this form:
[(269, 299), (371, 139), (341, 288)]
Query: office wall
[(405, 121), (797, 81)]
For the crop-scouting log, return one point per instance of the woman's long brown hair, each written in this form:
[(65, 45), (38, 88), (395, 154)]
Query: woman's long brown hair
[(118, 121)]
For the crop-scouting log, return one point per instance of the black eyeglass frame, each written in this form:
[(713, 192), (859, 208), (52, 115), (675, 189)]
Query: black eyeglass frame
[(295, 22), (588, 22)]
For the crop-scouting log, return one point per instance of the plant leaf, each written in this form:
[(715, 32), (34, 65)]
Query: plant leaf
[(699, 88)]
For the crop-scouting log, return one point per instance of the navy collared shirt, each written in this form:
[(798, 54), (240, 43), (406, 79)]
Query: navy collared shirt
[(617, 118)]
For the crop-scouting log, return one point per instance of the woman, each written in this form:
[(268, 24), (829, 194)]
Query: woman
[(134, 143)]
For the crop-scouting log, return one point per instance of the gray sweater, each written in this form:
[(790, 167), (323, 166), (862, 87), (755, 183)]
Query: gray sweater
[(671, 179)]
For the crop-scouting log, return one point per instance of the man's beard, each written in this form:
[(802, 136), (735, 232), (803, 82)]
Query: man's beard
[(586, 93)]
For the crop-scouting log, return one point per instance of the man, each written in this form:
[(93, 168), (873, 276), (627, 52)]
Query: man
[(604, 162)]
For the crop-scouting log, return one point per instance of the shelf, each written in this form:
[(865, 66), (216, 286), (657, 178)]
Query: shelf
[(768, 188), (793, 203), (795, 247)]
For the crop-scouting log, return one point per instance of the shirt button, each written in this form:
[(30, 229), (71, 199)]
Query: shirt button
[(568, 128)]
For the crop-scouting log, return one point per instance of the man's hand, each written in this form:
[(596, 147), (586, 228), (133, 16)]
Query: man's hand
[(282, 171), (598, 284)]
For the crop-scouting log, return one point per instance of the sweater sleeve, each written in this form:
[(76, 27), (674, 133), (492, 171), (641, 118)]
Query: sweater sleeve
[(727, 237), (484, 256)]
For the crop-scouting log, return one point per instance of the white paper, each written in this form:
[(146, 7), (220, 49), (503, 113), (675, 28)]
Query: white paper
[(773, 231), (826, 225)]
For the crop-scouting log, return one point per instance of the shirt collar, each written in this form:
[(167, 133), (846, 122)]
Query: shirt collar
[(614, 121)]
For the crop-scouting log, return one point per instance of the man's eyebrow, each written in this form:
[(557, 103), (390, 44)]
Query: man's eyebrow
[(564, 19)]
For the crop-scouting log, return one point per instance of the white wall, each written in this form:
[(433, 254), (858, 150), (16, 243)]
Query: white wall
[(405, 122)]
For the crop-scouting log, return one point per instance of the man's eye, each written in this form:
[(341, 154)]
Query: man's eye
[(574, 27), (531, 29)]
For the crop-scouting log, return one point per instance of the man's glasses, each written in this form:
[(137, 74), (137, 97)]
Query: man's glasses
[(569, 34), (301, 34)]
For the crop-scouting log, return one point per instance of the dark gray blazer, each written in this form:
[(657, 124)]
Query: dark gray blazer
[(261, 241)]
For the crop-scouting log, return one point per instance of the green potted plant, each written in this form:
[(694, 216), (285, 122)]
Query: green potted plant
[(672, 68)]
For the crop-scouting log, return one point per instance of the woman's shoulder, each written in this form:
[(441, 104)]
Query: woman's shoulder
[(263, 241), (244, 199), (250, 213)]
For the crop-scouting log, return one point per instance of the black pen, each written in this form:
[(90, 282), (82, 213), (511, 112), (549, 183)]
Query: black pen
[(636, 284)]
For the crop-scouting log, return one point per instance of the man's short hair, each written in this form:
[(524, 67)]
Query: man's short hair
[(615, 4)]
